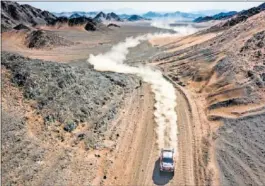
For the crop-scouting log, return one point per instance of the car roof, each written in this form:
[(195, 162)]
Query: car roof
[(167, 154)]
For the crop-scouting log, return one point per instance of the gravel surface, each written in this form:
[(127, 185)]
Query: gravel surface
[(241, 151)]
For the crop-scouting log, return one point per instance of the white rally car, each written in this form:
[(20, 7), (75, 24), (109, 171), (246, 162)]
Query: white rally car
[(167, 160)]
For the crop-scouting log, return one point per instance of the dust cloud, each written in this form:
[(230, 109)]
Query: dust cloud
[(165, 97), (184, 29)]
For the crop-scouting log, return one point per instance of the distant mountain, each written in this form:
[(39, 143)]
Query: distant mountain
[(101, 17), (63, 14), (220, 16), (13, 14), (174, 15), (152, 15), (124, 16), (75, 14), (203, 19), (224, 15), (181, 14), (203, 13), (136, 18), (262, 6), (113, 17)]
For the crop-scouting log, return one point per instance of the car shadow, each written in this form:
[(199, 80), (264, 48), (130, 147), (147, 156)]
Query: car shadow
[(161, 178)]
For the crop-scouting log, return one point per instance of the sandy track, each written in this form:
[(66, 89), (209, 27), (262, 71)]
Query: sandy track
[(184, 167), (137, 133), (135, 160)]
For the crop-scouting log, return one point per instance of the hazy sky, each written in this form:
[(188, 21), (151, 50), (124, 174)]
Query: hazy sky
[(140, 7)]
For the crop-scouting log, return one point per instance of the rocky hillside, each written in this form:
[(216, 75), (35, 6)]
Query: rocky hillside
[(66, 83), (13, 14), (51, 110), (234, 59), (25, 16), (239, 17), (233, 16), (220, 16), (225, 75), (244, 15)]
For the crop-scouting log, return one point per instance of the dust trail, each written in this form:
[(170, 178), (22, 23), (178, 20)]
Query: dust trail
[(170, 23), (165, 98)]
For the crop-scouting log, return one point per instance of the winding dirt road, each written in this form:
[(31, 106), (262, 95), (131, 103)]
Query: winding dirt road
[(135, 158)]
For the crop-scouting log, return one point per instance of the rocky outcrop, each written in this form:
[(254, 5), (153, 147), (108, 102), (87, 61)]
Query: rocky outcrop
[(21, 27), (113, 25), (42, 39), (90, 26)]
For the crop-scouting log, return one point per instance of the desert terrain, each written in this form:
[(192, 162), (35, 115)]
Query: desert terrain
[(66, 123)]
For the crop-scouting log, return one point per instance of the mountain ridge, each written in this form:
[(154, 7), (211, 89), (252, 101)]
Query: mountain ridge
[(101, 17), (236, 17), (219, 16)]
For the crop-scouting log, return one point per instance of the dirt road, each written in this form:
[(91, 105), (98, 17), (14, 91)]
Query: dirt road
[(131, 155), (135, 159)]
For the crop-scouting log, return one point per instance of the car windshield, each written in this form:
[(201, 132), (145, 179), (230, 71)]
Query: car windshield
[(167, 160)]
